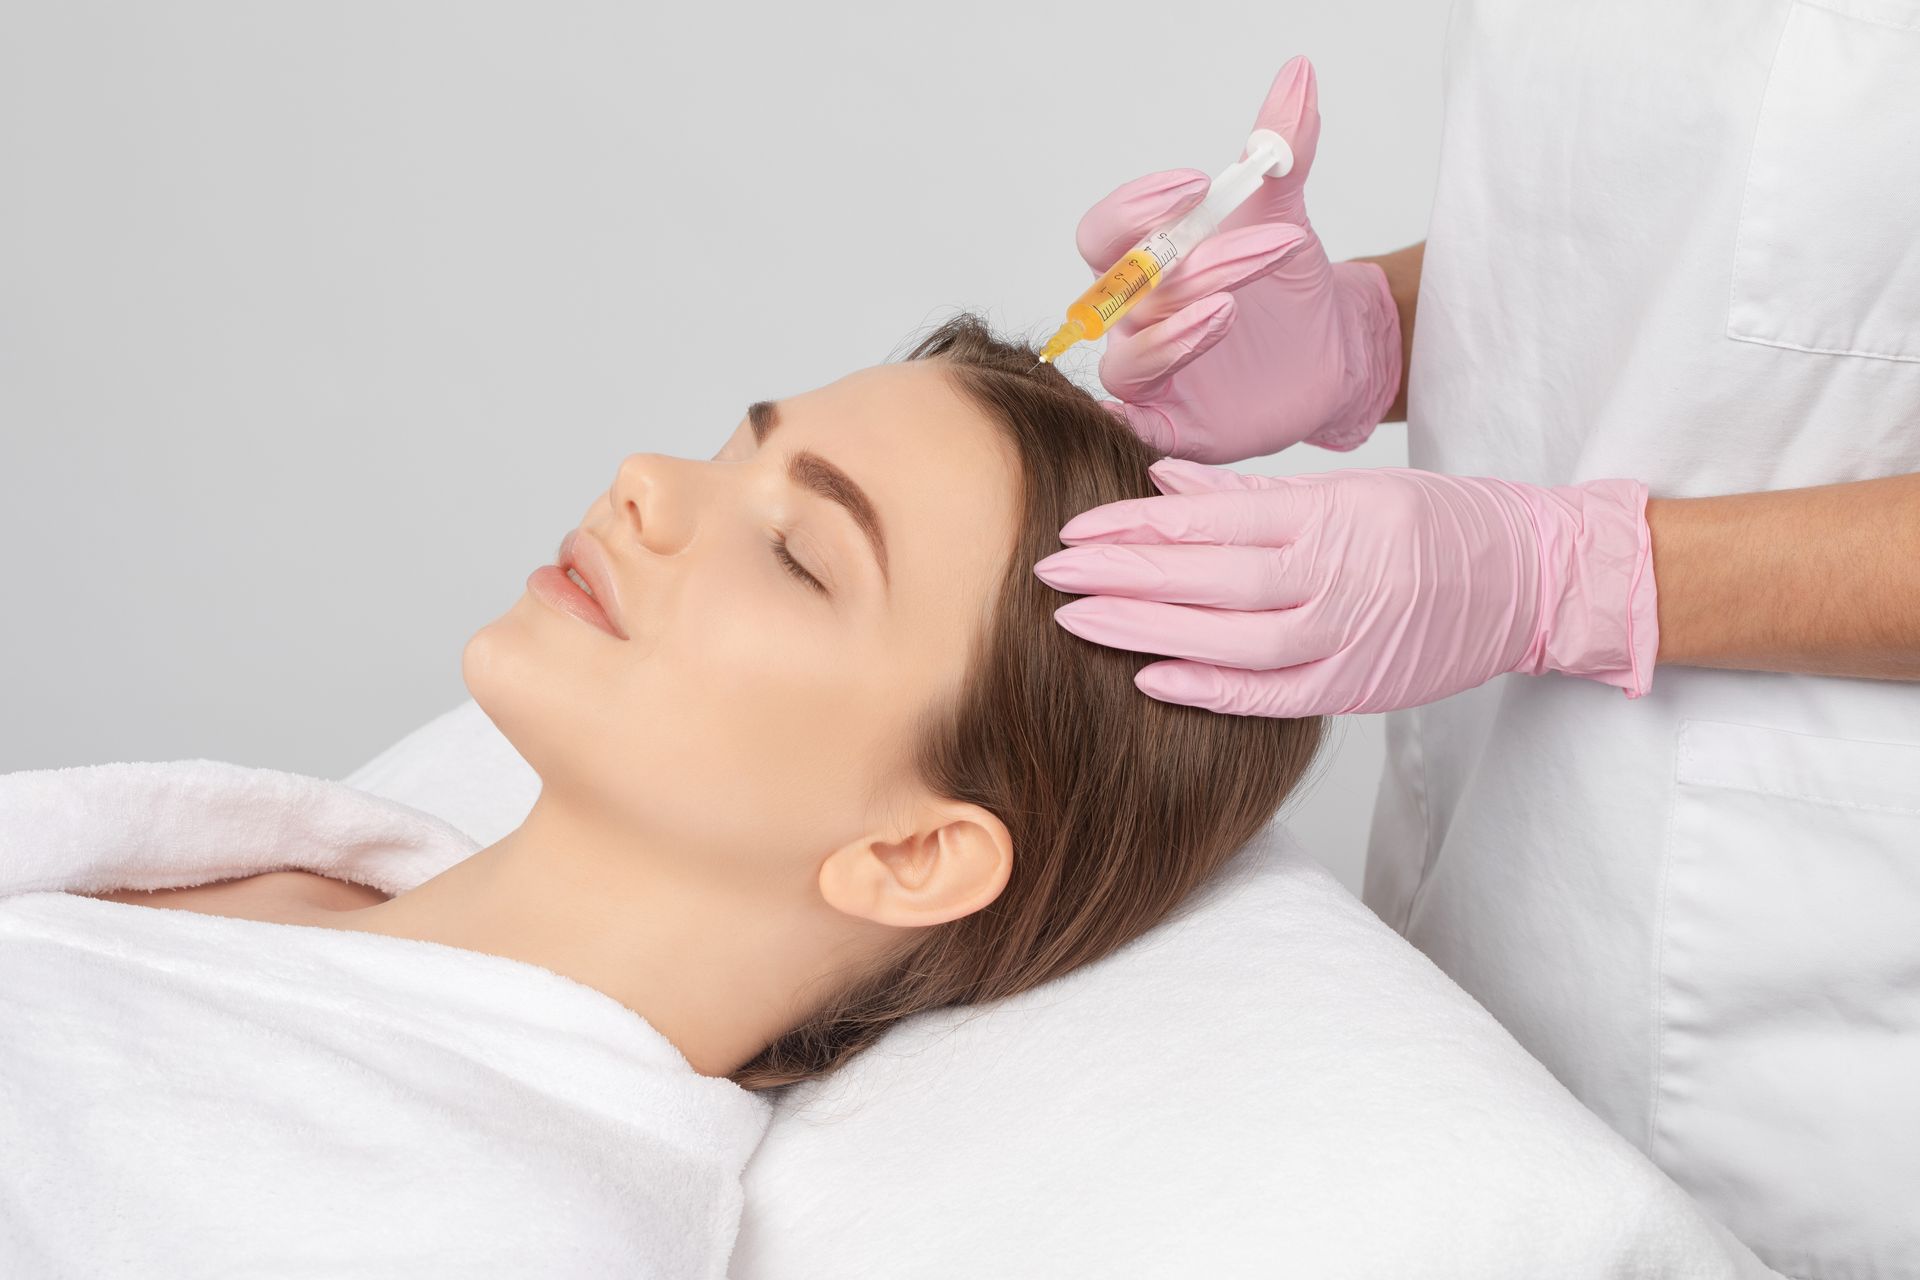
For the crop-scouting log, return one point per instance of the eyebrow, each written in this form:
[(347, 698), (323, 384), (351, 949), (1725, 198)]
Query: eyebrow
[(811, 471)]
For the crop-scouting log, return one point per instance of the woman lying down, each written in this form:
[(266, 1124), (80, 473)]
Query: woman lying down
[(814, 758)]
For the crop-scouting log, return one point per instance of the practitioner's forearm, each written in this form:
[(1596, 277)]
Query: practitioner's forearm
[(1402, 270), (1823, 580)]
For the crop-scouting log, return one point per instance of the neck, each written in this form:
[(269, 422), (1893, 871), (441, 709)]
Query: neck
[(719, 968)]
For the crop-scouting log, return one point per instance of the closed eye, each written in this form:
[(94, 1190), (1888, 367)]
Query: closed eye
[(794, 567)]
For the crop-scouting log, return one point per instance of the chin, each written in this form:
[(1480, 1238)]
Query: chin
[(502, 669), (528, 680)]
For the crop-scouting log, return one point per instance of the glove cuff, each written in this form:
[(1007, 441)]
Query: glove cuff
[(1599, 614), (1371, 344)]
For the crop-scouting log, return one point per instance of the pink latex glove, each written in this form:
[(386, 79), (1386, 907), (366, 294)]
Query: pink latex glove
[(1361, 590), (1256, 341)]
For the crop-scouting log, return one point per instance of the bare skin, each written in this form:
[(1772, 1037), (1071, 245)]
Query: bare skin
[(729, 825), (1402, 270), (277, 897), (1821, 580)]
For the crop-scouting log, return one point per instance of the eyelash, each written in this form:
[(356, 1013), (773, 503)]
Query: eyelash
[(793, 566)]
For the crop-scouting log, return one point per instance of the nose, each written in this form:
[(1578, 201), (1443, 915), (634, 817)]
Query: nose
[(656, 500)]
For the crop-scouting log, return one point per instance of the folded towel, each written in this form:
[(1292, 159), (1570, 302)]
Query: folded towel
[(184, 1094)]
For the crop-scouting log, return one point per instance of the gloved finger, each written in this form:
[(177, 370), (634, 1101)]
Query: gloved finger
[(1126, 214), (1219, 265), (1289, 693), (1254, 641), (1150, 424), (1178, 475), (1136, 365), (1235, 517), (1219, 577), (1292, 110)]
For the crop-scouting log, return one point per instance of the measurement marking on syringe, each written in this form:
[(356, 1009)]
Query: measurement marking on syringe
[(1140, 268)]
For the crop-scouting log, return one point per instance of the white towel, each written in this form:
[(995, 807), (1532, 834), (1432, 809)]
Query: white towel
[(183, 1094)]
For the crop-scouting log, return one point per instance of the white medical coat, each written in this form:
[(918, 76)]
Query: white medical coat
[(1681, 242)]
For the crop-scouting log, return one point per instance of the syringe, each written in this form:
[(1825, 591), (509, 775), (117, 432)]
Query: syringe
[(1141, 267)]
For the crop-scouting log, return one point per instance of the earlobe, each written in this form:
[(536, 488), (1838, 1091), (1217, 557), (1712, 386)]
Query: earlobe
[(953, 862)]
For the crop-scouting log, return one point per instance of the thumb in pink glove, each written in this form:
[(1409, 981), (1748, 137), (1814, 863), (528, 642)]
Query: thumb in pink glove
[(1256, 341), (1361, 590)]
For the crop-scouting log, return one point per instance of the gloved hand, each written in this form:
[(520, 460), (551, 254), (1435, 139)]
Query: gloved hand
[(1362, 590), (1256, 341)]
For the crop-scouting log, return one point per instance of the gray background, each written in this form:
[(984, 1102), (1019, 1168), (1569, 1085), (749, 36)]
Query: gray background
[(321, 322)]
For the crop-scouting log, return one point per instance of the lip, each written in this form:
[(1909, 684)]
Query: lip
[(585, 556)]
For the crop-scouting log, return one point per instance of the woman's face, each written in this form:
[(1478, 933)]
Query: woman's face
[(792, 608)]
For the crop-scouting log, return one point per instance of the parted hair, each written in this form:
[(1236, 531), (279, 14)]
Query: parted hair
[(1118, 805)]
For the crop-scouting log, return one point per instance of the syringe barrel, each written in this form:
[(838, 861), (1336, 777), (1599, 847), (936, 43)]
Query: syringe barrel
[(1140, 268), (1194, 226), (1267, 154)]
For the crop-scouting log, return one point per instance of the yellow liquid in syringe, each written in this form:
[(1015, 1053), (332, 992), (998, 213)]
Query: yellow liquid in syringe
[(1111, 296)]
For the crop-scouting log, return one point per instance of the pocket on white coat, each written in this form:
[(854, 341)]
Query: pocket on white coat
[(1827, 255), (1787, 1071)]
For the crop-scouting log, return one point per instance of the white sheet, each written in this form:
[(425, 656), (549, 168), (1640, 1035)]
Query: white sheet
[(189, 1095)]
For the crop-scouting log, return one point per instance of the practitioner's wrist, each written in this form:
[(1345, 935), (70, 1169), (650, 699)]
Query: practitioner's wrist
[(1371, 344), (1598, 610)]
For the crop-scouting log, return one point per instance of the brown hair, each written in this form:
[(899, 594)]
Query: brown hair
[(1119, 806)]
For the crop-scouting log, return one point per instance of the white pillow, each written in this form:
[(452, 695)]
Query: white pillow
[(1272, 1082)]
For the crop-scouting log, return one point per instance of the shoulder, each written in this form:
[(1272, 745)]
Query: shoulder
[(314, 890), (274, 895)]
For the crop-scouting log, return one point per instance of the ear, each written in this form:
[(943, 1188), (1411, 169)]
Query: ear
[(953, 859)]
